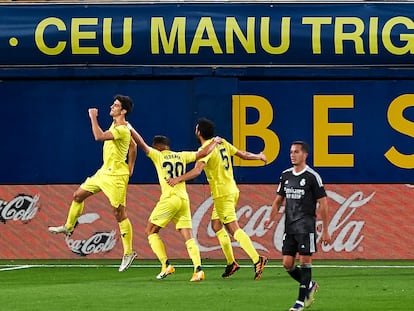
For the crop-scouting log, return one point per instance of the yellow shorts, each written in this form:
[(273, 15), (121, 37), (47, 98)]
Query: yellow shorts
[(225, 208), (173, 208), (113, 186)]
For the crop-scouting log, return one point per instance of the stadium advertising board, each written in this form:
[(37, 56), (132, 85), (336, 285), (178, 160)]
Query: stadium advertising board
[(207, 34), (366, 222)]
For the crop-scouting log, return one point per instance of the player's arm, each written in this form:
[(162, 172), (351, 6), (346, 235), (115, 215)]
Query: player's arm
[(209, 148), (138, 139), (132, 156), (276, 209), (246, 155), (97, 131), (323, 212), (193, 173)]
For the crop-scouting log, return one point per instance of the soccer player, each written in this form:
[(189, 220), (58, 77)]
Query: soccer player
[(219, 171), (112, 178), (174, 204), (301, 190)]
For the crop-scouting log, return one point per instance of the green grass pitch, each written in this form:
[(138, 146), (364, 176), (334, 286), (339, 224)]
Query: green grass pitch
[(97, 285)]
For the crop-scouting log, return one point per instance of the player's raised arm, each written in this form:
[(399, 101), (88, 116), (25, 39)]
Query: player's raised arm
[(138, 139), (132, 156), (97, 131), (246, 155), (209, 148)]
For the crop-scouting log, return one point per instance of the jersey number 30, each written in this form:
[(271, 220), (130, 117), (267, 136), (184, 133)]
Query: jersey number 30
[(173, 169)]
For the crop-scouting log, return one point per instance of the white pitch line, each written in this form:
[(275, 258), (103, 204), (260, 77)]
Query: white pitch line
[(8, 268), (13, 267)]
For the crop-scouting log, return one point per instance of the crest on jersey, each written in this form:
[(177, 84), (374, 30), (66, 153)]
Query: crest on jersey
[(302, 182)]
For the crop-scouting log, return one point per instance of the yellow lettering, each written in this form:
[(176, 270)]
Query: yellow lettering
[(127, 37), (408, 38), (78, 35), (323, 130), (233, 29), (205, 25), (397, 121), (341, 36), (158, 33), (316, 23), (39, 36), (242, 130), (265, 36), (373, 35)]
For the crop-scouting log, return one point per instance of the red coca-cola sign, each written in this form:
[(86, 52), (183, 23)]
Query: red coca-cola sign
[(366, 221)]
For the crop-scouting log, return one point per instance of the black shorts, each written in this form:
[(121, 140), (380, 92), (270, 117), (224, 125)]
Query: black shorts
[(302, 243)]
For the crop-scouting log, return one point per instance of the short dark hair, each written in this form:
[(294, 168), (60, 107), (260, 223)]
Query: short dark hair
[(161, 140), (206, 128), (303, 144), (126, 102)]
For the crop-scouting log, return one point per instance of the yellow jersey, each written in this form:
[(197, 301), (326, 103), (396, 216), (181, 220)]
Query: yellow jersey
[(219, 169), (115, 151), (170, 164)]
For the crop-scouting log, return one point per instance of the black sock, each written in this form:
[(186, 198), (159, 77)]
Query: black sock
[(305, 280), (295, 273)]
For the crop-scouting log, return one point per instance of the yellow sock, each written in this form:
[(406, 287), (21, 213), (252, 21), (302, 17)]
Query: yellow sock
[(125, 228), (194, 252), (158, 248), (246, 244), (225, 244), (75, 211)]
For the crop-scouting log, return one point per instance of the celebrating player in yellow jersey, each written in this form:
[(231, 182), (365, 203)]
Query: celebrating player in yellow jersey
[(112, 178), (174, 204), (219, 171)]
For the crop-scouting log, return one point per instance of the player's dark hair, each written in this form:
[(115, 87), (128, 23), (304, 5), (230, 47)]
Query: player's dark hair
[(126, 103), (304, 145), (161, 140), (206, 128)]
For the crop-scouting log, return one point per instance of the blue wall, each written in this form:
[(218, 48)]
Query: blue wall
[(358, 103)]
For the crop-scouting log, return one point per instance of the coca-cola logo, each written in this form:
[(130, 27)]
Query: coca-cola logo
[(255, 226), (99, 242), (22, 207), (347, 234)]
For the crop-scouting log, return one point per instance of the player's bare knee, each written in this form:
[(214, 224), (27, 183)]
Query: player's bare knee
[(151, 229), (77, 198), (81, 195), (216, 225), (119, 213), (148, 232), (288, 263), (186, 233)]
